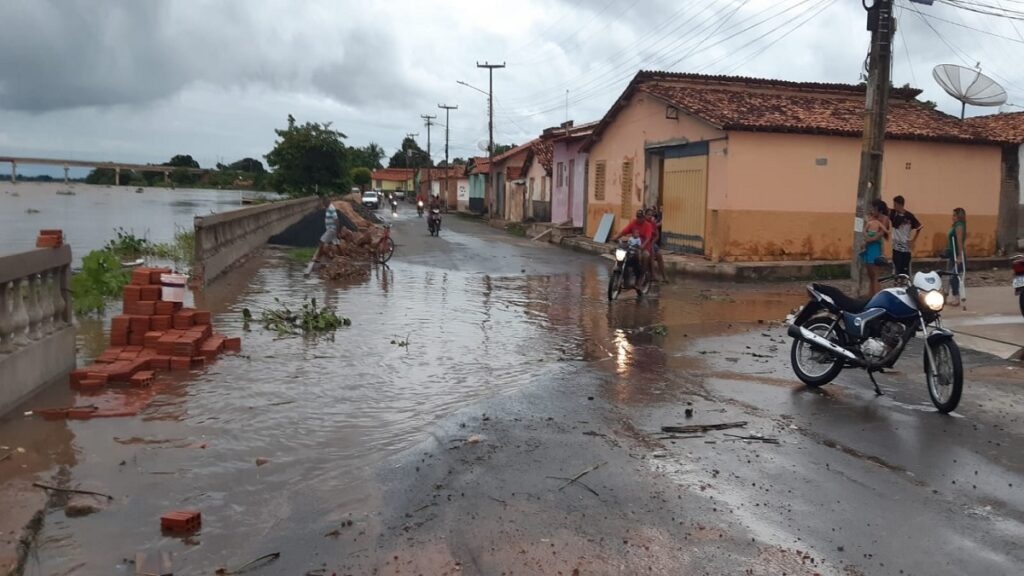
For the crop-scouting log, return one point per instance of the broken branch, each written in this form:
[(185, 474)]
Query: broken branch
[(757, 438), (265, 558), (71, 490), (693, 428), (577, 477)]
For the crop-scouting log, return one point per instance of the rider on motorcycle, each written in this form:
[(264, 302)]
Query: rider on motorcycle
[(645, 230)]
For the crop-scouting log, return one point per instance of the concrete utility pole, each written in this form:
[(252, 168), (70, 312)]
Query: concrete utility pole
[(430, 170), (490, 121), (408, 151), (869, 187), (447, 172)]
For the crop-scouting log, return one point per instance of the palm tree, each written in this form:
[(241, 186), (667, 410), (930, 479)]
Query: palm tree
[(376, 154)]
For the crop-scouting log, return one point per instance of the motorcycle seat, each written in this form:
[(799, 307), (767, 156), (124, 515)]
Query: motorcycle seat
[(845, 303)]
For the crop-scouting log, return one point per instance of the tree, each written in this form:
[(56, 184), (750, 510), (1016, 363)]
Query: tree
[(182, 161), (502, 148), (361, 176), (250, 165), (369, 156), (309, 157), (410, 156)]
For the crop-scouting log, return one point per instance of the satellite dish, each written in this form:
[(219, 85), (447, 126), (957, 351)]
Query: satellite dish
[(482, 145), (969, 86)]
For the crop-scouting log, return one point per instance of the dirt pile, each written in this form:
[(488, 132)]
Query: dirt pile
[(359, 234)]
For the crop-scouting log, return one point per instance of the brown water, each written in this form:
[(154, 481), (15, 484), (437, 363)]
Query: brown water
[(90, 216), (328, 413)]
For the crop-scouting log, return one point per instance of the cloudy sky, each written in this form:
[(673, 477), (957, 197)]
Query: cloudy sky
[(140, 81)]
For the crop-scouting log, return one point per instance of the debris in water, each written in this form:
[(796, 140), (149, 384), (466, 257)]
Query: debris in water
[(692, 428), (260, 461), (265, 559)]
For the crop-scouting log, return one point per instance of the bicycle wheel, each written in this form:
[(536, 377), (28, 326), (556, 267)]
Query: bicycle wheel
[(386, 250)]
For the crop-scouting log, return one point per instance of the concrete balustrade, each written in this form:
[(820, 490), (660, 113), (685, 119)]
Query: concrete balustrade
[(37, 339)]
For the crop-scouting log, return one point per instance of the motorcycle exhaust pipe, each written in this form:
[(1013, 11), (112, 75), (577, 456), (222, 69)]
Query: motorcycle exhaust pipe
[(813, 339)]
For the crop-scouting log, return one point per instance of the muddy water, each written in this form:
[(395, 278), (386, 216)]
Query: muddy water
[(327, 412), (90, 215)]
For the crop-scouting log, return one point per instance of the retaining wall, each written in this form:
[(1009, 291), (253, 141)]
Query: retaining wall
[(37, 338), (226, 238)]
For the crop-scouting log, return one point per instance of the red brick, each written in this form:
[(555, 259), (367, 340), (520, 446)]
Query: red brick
[(152, 337), (138, 338), (141, 378), (139, 324), (132, 293), (233, 344), (145, 307), (154, 275), (120, 371), (77, 376), (204, 330), (201, 317), (181, 363), (51, 232), (150, 292), (160, 362), (101, 376), (165, 308), (160, 322), (53, 413), (181, 521), (91, 385), (48, 241), (198, 362), (140, 276), (184, 319), (81, 412)]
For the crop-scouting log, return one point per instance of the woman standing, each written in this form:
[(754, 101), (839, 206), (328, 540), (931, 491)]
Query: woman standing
[(957, 255), (874, 234)]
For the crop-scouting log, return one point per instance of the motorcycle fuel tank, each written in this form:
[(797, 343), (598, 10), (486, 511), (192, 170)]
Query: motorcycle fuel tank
[(895, 301)]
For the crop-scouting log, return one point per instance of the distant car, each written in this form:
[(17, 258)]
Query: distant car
[(399, 194), (371, 199)]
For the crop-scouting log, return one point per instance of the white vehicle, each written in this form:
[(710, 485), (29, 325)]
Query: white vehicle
[(371, 199)]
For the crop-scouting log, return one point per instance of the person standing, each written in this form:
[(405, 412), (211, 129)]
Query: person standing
[(871, 250), (905, 230), (957, 255), (330, 235)]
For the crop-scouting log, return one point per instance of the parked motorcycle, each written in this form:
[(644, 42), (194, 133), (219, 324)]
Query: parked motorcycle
[(434, 222), (628, 271), (835, 331), (419, 208), (1018, 279)]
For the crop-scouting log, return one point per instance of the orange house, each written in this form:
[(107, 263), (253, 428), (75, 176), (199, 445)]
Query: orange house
[(749, 169)]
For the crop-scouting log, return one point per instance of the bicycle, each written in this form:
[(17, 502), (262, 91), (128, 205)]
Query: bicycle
[(385, 248)]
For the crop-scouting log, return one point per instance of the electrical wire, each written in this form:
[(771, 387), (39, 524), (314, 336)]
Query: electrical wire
[(799, 25), (906, 50)]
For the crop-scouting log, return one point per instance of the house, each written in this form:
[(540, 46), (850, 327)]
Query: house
[(441, 182), (749, 169), (1011, 127), (478, 171), (388, 179), (570, 172), (537, 174), (508, 187)]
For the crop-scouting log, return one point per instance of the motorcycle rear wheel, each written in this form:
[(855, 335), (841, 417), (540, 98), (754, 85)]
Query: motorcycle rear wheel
[(827, 368), (614, 285), (945, 386)]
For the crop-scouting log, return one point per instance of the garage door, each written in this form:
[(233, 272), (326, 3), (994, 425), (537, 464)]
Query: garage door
[(684, 202)]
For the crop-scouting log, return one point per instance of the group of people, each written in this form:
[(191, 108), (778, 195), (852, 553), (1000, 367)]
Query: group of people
[(901, 227), (646, 229)]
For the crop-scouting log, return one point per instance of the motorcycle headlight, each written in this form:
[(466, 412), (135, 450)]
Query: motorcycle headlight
[(420, 203), (933, 300), (620, 254)]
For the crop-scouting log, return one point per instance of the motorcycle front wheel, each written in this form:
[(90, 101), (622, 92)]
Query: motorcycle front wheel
[(812, 366), (614, 285), (946, 383)]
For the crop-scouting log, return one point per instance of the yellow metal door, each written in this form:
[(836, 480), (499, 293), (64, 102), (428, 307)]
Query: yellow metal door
[(684, 202)]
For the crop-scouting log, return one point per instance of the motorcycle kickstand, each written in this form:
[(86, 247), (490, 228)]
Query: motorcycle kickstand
[(878, 391)]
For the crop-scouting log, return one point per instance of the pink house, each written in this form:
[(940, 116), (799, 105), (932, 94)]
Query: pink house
[(569, 178)]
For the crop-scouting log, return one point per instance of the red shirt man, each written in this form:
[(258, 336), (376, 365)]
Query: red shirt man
[(645, 229)]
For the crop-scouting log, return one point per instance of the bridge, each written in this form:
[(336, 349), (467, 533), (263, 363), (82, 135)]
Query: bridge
[(115, 166)]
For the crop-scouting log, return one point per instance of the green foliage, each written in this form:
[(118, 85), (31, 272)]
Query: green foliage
[(502, 148), (101, 279), (126, 245), (181, 251), (516, 228), (101, 176), (249, 165), (410, 156), (369, 156), (309, 319), (301, 255), (309, 157), (182, 161), (361, 177)]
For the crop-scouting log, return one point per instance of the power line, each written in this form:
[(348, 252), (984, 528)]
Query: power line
[(906, 48), (799, 25)]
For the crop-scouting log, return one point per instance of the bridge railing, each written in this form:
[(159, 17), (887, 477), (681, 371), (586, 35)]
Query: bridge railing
[(33, 302)]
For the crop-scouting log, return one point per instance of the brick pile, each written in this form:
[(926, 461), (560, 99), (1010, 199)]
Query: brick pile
[(150, 336), (50, 239)]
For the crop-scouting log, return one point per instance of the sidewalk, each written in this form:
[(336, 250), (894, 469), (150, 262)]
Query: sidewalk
[(992, 322), (696, 266)]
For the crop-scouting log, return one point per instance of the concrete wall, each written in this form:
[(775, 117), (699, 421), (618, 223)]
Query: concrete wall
[(224, 239), (37, 338)]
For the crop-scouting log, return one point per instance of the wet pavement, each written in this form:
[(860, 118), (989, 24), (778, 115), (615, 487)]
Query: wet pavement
[(456, 454)]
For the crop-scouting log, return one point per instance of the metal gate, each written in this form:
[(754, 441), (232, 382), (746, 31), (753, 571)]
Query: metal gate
[(684, 200)]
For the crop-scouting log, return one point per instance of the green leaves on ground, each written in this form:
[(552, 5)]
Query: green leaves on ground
[(309, 319), (100, 279), (301, 255)]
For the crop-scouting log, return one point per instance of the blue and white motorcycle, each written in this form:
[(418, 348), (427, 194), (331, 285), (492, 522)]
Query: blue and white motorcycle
[(834, 331)]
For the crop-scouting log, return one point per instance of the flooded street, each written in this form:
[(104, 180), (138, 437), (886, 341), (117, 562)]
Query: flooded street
[(459, 452)]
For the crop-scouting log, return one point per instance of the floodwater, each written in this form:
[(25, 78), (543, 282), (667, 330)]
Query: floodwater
[(454, 320), (90, 214)]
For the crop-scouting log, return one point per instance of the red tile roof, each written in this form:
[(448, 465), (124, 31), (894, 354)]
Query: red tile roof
[(1009, 126), (393, 174), (510, 153), (543, 150), (481, 165), (763, 105)]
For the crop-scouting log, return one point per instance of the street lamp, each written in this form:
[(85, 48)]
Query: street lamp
[(484, 92)]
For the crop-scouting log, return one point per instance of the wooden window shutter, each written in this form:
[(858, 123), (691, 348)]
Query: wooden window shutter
[(599, 170), (627, 189)]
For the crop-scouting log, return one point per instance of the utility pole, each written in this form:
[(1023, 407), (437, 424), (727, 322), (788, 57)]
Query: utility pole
[(869, 187), (490, 122), (447, 170), (430, 170)]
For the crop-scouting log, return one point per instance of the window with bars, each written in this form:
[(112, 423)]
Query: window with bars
[(599, 173), (560, 175), (626, 198)]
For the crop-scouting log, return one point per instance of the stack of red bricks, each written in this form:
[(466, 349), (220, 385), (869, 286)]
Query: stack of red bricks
[(50, 239), (152, 335)]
